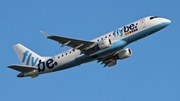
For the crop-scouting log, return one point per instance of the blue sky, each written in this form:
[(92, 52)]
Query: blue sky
[(151, 74)]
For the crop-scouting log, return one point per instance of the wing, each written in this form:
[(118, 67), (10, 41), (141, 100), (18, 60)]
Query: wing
[(109, 61), (74, 43), (21, 68)]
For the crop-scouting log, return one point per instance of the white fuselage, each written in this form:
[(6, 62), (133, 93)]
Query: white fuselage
[(120, 38)]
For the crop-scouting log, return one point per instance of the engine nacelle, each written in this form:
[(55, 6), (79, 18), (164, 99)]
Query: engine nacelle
[(106, 43), (125, 53)]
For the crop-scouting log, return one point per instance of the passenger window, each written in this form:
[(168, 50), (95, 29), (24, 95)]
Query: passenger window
[(117, 33)]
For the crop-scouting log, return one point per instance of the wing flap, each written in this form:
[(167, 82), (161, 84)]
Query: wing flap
[(111, 63), (22, 68), (108, 60)]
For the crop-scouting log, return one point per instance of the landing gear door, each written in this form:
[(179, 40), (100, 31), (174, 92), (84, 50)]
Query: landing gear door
[(143, 23)]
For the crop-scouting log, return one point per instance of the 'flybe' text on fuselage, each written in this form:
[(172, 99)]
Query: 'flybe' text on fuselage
[(126, 30), (50, 63), (130, 29)]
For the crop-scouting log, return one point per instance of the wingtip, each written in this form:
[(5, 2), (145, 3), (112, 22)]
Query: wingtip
[(45, 34)]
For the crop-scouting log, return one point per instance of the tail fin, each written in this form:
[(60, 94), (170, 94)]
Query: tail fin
[(26, 56)]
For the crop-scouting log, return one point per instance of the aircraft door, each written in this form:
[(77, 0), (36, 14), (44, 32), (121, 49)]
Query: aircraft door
[(143, 24)]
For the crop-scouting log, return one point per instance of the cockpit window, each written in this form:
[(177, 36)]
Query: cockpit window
[(153, 17)]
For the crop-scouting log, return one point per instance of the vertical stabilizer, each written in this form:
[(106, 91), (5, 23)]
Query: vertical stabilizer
[(27, 56)]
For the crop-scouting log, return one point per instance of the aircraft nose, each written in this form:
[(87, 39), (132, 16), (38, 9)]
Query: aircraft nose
[(166, 21)]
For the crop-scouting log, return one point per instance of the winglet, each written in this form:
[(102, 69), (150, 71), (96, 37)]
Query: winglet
[(45, 34)]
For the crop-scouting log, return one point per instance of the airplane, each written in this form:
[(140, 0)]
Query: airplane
[(106, 49)]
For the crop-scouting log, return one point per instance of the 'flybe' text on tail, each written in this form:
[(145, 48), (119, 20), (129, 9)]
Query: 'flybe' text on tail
[(26, 56)]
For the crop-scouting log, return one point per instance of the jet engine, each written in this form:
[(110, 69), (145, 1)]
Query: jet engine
[(106, 43), (124, 53)]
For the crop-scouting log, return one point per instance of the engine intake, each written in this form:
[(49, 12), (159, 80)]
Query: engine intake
[(106, 43), (125, 53)]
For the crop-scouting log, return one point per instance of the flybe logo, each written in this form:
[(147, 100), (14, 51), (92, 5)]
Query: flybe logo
[(126, 30), (130, 29), (42, 65), (50, 63), (29, 58)]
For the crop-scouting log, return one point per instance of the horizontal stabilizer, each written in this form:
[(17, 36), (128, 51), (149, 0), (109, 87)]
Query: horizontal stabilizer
[(22, 68)]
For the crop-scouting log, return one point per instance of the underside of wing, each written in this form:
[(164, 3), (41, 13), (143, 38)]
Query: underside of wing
[(23, 69), (109, 61)]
